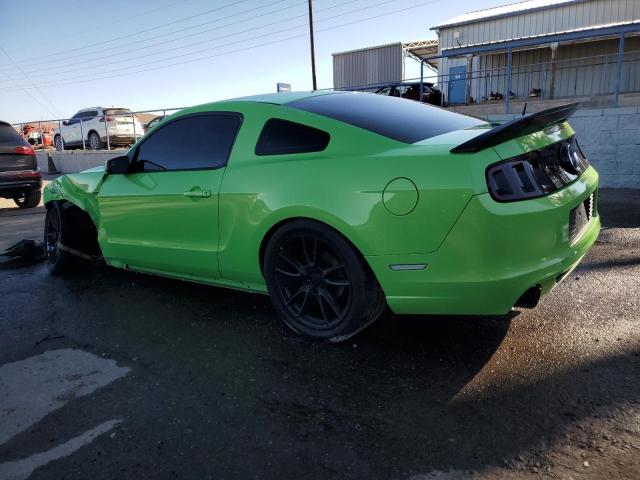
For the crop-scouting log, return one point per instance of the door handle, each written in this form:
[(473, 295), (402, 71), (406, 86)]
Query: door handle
[(197, 193)]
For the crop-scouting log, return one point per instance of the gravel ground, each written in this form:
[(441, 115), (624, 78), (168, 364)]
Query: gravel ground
[(109, 374)]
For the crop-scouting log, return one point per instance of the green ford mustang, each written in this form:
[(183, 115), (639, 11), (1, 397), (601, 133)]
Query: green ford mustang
[(338, 204)]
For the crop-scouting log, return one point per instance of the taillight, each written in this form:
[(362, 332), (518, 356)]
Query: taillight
[(28, 175), (107, 117), (537, 173), (25, 151)]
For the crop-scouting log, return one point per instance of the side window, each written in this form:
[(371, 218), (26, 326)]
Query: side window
[(89, 114), (190, 143), (279, 137), (76, 118)]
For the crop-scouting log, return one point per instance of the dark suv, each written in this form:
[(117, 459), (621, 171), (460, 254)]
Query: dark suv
[(20, 178)]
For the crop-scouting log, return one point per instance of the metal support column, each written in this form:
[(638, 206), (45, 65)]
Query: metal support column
[(508, 82), (41, 135), (84, 147), (60, 134), (106, 130), (552, 73), (467, 88), (616, 93), (421, 78)]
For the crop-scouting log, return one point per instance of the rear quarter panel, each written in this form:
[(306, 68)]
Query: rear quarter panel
[(342, 186)]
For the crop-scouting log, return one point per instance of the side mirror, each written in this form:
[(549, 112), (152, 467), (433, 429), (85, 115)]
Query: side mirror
[(118, 165), (65, 123)]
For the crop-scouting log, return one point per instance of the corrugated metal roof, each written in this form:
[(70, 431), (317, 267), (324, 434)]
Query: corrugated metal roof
[(544, 35), (502, 11), (362, 49)]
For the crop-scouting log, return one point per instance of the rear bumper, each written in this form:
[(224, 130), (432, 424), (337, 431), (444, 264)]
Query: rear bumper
[(121, 139), (493, 255), (17, 182)]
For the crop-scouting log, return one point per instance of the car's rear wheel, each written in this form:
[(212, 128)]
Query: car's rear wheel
[(57, 141), (29, 199), (94, 141), (319, 284), (58, 261)]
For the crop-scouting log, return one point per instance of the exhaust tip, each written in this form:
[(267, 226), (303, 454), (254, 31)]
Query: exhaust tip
[(530, 298)]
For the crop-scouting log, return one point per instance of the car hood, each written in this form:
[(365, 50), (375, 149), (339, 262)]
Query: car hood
[(87, 181), (78, 188)]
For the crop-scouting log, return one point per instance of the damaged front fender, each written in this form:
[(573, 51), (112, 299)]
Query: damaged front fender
[(78, 188)]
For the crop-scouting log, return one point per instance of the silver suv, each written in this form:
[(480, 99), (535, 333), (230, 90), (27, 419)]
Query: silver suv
[(92, 126)]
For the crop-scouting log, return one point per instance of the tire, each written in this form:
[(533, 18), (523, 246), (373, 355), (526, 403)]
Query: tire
[(319, 284), (94, 141), (58, 262), (57, 141), (29, 200)]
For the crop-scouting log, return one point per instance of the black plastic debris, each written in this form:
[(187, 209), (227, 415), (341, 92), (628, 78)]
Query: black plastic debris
[(24, 249)]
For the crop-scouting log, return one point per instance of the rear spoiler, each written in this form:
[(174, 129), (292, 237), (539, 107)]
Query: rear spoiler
[(517, 128)]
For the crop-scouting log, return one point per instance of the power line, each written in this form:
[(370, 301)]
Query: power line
[(173, 22), (83, 62), (38, 101), (244, 48), (119, 61), (137, 16), (217, 47), (160, 35), (27, 77)]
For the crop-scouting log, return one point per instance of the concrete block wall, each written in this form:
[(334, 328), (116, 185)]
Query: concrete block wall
[(73, 161), (610, 138)]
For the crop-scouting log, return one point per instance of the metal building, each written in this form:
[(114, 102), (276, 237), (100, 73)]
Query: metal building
[(374, 67), (541, 48)]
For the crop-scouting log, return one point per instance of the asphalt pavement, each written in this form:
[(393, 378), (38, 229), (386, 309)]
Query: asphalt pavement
[(109, 374)]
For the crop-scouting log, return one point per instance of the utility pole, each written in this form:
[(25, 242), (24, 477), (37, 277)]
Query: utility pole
[(313, 53)]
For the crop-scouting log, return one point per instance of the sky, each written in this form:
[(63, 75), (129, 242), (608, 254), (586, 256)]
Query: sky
[(58, 57)]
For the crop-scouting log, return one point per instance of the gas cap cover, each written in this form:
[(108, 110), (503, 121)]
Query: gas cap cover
[(400, 196)]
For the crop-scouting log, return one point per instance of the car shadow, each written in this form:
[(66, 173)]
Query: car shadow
[(392, 402)]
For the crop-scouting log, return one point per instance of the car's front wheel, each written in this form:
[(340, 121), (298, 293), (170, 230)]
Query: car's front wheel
[(57, 141), (29, 199), (319, 283), (58, 260)]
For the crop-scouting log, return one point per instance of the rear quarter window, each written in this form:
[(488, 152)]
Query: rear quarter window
[(281, 137), (400, 119)]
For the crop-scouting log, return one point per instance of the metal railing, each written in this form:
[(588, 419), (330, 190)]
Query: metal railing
[(54, 127), (590, 76), (501, 78)]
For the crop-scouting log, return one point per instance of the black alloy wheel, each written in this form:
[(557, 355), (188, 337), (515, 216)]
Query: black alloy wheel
[(57, 260), (312, 280), (319, 283)]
